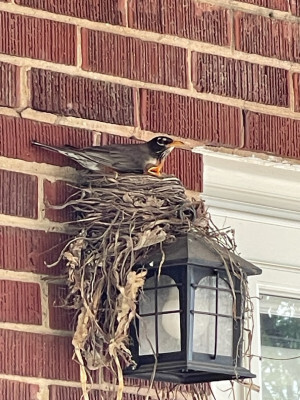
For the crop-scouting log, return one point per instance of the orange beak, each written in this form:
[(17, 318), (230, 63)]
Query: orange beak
[(176, 143), (180, 144)]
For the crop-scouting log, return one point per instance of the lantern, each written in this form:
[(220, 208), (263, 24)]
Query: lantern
[(188, 328)]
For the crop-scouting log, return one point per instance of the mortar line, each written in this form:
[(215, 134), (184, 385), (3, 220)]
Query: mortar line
[(24, 91), (45, 304), (45, 171), (22, 276), (126, 12), (189, 70), (79, 47), (41, 204), (44, 393), (213, 98), (193, 45), (232, 31), (231, 5), (33, 224), (291, 90), (39, 329), (159, 38), (137, 109)]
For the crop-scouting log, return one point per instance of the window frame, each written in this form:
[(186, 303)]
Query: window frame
[(274, 281)]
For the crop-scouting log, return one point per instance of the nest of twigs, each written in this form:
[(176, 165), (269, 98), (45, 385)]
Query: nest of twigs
[(119, 220)]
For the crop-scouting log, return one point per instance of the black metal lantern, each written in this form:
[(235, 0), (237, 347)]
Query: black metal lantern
[(187, 328)]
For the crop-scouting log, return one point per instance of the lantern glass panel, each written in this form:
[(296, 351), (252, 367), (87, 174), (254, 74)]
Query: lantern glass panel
[(213, 319), (159, 309)]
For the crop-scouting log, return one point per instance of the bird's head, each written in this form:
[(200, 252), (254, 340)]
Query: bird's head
[(161, 144)]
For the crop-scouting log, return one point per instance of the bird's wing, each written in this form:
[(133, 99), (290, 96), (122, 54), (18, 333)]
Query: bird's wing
[(123, 158), (126, 158)]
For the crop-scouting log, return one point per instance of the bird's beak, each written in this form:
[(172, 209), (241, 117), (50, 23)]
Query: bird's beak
[(177, 143)]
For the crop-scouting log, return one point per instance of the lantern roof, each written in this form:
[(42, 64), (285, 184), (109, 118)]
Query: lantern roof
[(195, 248)]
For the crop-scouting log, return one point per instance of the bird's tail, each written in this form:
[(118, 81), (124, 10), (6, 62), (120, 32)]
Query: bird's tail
[(68, 151), (45, 146), (71, 152), (53, 148)]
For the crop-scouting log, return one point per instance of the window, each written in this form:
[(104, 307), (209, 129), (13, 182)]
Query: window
[(280, 347)]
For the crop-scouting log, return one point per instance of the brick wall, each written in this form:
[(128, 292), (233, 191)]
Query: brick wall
[(77, 72)]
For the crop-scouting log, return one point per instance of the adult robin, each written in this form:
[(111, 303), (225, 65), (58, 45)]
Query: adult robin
[(141, 158)]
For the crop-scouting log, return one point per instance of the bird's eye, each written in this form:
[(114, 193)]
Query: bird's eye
[(162, 141)]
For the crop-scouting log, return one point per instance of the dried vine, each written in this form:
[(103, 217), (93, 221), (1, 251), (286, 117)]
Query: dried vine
[(119, 219)]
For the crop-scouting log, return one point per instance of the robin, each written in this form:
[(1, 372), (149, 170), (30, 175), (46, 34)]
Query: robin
[(141, 158)]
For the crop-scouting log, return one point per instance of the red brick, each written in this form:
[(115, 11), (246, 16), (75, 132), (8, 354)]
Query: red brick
[(34, 249), (282, 5), (13, 390), (267, 37), (240, 79), (188, 19), (9, 85), (17, 134), (110, 11), (18, 194), (59, 318), (295, 7), (187, 166), (20, 302), (272, 134), (188, 117), (37, 355), (56, 194), (37, 38), (82, 97), (134, 58)]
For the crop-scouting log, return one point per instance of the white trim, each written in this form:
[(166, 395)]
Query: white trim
[(252, 181), (272, 215), (260, 200)]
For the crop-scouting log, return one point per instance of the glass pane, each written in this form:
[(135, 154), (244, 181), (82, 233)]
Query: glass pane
[(280, 338), (225, 299), (205, 299), (225, 337), (169, 333), (168, 297), (147, 302), (204, 333), (147, 335)]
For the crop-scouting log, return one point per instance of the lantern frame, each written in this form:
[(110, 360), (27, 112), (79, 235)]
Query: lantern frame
[(187, 260)]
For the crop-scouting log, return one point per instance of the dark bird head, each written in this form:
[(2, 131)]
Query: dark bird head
[(162, 144)]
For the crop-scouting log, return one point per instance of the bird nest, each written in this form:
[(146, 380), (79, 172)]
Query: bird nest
[(119, 220)]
